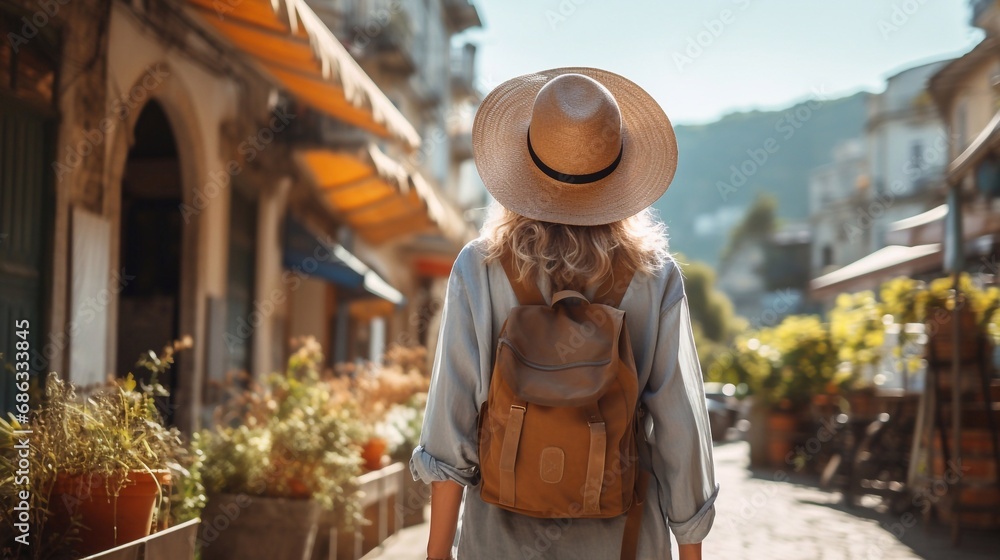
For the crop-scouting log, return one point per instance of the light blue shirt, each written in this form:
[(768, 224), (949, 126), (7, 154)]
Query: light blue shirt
[(682, 489)]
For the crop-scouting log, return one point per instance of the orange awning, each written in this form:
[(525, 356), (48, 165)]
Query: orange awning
[(291, 44), (377, 196)]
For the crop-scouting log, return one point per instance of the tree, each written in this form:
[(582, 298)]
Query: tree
[(712, 315), (759, 223)]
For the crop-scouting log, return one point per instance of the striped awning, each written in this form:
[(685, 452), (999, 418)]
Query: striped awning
[(377, 196), (292, 45)]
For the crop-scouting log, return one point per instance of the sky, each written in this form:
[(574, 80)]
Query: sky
[(702, 59)]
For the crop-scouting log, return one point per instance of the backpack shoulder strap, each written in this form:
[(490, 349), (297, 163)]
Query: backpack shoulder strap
[(613, 289), (527, 292)]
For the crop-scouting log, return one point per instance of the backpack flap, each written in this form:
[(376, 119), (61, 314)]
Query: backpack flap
[(563, 355)]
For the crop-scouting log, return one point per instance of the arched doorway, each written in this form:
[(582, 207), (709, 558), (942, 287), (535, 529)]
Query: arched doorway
[(150, 245)]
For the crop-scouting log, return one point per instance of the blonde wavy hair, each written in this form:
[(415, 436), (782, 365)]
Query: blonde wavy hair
[(567, 253)]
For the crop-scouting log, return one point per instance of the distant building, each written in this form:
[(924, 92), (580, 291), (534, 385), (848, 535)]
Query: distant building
[(766, 277), (406, 48), (907, 150), (967, 92), (907, 147), (838, 200)]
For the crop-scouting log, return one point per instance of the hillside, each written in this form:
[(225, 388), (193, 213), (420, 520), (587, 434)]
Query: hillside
[(773, 151)]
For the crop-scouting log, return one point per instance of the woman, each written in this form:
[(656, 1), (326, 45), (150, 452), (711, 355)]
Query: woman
[(574, 157)]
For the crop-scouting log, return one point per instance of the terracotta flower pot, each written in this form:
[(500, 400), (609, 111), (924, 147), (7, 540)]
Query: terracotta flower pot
[(781, 427), (940, 333), (373, 452), (239, 526), (108, 521)]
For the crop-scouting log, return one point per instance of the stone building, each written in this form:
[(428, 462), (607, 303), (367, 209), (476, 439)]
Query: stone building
[(838, 209), (220, 170), (900, 177)]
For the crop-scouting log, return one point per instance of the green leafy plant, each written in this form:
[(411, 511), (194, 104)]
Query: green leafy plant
[(401, 427), (787, 365), (291, 436), (103, 436)]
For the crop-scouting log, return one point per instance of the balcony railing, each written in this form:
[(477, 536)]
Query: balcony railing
[(463, 71), (372, 32)]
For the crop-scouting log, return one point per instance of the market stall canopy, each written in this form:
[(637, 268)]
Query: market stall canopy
[(868, 272), (292, 45), (378, 197), (305, 253)]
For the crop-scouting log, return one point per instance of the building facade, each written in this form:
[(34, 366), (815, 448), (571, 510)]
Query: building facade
[(907, 148), (838, 200), (967, 92), (226, 172)]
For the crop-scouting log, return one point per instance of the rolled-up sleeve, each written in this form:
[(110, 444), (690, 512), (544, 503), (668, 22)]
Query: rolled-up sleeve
[(680, 438), (448, 448)]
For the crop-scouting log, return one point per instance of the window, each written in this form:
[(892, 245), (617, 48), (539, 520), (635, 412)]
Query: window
[(917, 154), (827, 255)]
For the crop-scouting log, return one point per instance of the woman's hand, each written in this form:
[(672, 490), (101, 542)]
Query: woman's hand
[(689, 551), (446, 498)]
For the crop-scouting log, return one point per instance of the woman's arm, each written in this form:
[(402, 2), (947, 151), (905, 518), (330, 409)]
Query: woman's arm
[(680, 439), (448, 454), (689, 551), (446, 498)]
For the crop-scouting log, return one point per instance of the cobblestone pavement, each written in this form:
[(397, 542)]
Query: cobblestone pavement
[(761, 518), (758, 517)]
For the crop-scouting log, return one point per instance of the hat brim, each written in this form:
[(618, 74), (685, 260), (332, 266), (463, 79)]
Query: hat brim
[(500, 150)]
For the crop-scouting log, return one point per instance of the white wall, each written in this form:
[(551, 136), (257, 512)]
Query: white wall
[(196, 103)]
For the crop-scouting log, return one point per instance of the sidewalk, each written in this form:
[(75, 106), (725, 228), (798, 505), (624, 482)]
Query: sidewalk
[(757, 518), (408, 544)]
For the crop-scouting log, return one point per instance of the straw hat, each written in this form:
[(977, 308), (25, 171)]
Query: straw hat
[(577, 146)]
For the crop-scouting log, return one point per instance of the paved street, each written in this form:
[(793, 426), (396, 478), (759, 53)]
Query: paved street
[(760, 518)]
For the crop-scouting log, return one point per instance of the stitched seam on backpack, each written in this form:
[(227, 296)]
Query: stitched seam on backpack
[(544, 367)]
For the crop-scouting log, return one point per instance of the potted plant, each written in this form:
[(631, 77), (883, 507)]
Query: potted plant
[(751, 366), (401, 430), (940, 303), (288, 452), (377, 388), (857, 332), (99, 464), (785, 367)]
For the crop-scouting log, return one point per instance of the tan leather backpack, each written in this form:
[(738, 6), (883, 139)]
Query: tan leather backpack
[(557, 434)]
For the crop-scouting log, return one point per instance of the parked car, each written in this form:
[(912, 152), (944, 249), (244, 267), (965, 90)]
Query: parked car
[(723, 408)]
